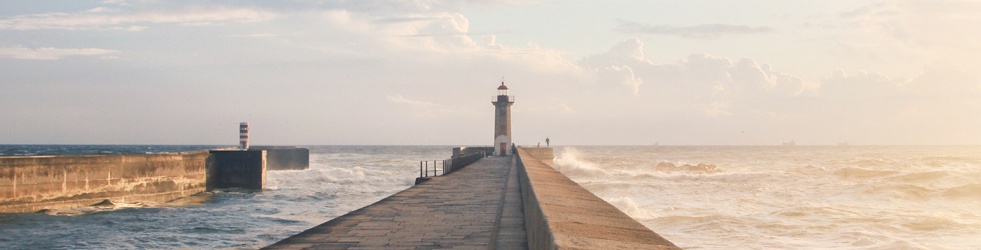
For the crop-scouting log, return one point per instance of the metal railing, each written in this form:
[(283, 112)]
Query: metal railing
[(510, 98), (437, 167), (449, 165)]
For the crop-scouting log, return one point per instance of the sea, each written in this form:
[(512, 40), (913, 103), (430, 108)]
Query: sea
[(699, 197), (791, 197)]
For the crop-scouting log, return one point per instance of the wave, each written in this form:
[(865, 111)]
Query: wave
[(701, 167), (931, 223), (629, 207), (862, 173), (569, 164), (920, 176), (972, 191), (344, 176), (903, 191)]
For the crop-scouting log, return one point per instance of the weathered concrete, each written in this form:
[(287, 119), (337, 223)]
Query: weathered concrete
[(285, 157), (237, 169), (461, 161), (461, 151), (32, 183), (561, 214), (477, 207), (517, 202)]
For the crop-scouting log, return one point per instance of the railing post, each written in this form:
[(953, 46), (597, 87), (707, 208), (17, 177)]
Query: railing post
[(420, 169), (427, 168)]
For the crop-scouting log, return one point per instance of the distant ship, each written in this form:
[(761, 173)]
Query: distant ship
[(791, 143)]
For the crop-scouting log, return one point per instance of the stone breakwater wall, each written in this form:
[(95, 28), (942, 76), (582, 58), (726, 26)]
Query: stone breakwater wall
[(32, 183), (559, 213)]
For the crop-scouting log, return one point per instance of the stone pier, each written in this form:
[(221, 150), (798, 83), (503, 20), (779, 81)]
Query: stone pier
[(513, 202), (477, 207)]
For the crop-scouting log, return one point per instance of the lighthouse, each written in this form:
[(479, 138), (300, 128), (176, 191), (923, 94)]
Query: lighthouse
[(502, 121)]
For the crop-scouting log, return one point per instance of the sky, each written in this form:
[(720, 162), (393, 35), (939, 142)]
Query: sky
[(424, 72)]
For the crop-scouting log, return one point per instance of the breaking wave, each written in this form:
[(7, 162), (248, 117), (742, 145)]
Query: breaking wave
[(800, 198), (570, 163), (701, 167)]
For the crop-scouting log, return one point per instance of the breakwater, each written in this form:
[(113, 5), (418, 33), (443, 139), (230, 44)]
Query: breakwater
[(559, 213), (469, 208), (513, 202), (34, 183)]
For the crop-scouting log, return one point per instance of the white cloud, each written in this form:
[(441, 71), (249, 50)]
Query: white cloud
[(53, 53), (627, 52), (697, 31), (947, 81), (619, 74), (615, 66), (862, 86), (423, 109), (100, 18), (399, 99), (715, 109), (561, 108), (896, 37), (715, 86), (443, 31)]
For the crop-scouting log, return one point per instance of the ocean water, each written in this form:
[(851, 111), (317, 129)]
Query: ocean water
[(28, 150), (801, 197), (340, 179)]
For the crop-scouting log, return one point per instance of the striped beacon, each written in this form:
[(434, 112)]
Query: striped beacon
[(243, 135)]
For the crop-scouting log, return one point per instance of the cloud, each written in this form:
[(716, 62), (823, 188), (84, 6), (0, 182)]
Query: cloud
[(561, 108), (53, 53), (620, 74), (697, 31), (711, 85), (947, 81), (615, 66), (883, 33), (100, 18), (448, 31), (399, 99), (423, 109), (626, 52), (861, 86)]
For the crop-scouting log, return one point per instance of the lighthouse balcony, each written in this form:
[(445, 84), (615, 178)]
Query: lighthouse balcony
[(501, 98)]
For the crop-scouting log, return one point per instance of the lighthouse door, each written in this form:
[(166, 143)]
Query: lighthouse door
[(504, 149)]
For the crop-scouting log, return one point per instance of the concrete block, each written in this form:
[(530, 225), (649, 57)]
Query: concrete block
[(237, 169), (285, 157)]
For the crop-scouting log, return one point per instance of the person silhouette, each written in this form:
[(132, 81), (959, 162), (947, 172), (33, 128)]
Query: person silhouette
[(546, 142)]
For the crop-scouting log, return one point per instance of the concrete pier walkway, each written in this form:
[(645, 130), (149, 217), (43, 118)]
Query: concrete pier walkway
[(477, 207)]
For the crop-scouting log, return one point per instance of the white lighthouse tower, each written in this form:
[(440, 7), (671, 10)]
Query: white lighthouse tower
[(502, 121)]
